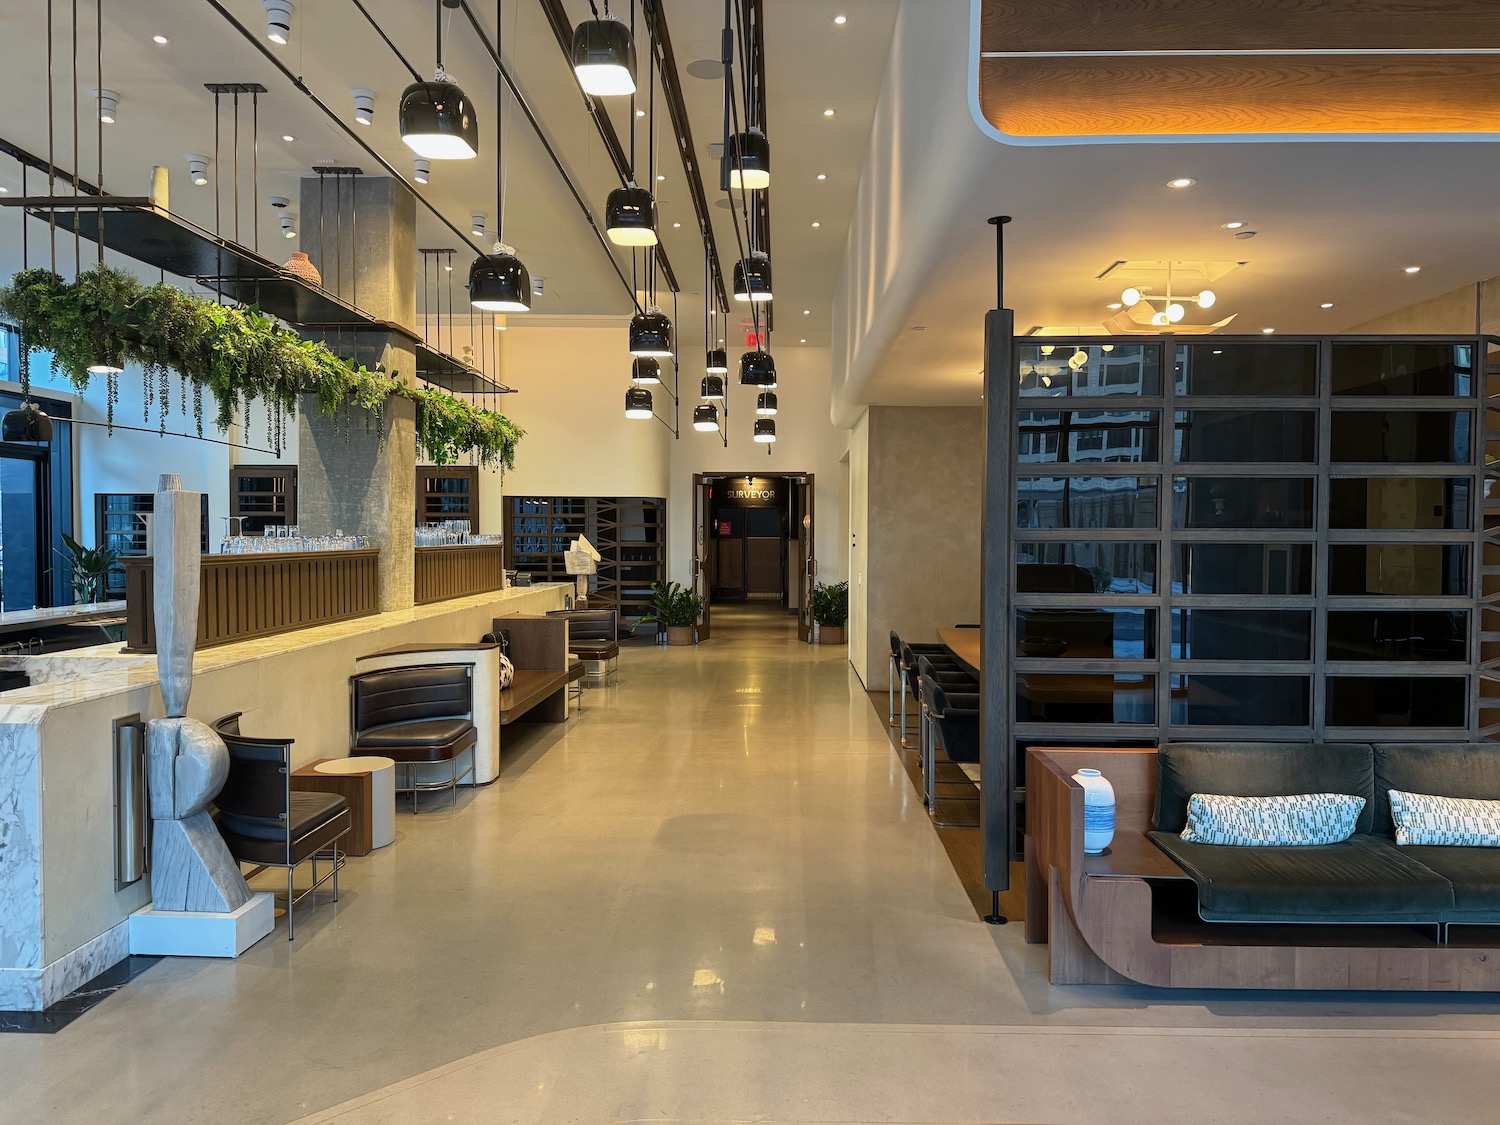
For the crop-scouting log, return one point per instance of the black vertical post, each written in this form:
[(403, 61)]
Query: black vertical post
[(995, 593)]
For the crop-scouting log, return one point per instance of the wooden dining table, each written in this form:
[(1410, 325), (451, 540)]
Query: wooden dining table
[(966, 645)]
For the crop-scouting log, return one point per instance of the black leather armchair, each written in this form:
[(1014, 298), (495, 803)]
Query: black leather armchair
[(416, 716), (266, 822)]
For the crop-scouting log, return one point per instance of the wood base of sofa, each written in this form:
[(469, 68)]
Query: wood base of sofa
[(1102, 927)]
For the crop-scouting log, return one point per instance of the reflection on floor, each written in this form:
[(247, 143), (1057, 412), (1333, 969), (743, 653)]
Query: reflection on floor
[(714, 896)]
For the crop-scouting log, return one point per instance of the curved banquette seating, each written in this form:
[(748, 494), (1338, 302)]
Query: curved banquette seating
[(416, 716), (1364, 913)]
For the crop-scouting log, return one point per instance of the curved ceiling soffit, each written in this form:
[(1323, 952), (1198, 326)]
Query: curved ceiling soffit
[(1067, 72)]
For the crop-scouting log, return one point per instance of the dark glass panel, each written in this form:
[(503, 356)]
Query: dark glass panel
[(1400, 503), (1247, 369), (1398, 634), (1415, 569), (1240, 701), (1086, 568), (1085, 633), (1044, 502), (1219, 436), (1078, 436), (1051, 370), (1243, 568), (1066, 697), (1241, 634), (1405, 437), (1398, 701), (1249, 502), (1403, 369)]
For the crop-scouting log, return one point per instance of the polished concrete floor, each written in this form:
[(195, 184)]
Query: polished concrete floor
[(713, 897)]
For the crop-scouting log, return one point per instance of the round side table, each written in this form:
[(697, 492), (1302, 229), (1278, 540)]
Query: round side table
[(382, 773)]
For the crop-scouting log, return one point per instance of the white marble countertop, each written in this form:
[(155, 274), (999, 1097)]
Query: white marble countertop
[(59, 615), (98, 671)]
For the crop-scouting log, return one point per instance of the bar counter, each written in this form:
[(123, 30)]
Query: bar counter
[(62, 921)]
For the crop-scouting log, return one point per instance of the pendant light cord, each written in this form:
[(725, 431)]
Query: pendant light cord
[(500, 126)]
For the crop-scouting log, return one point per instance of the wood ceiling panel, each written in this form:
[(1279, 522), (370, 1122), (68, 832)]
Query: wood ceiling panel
[(1361, 94), (1238, 25)]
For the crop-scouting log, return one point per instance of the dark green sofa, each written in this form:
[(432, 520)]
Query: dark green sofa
[(1365, 879)]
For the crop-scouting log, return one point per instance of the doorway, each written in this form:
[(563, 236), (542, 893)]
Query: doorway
[(36, 509), (753, 537)]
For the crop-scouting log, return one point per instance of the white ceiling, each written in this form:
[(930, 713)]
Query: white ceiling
[(165, 113)]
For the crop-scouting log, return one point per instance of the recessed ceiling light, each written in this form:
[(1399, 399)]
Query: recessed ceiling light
[(841, 20), (676, 226), (828, 113), (801, 341), (807, 312), (821, 176), (1413, 269), (1182, 182), (162, 39), (640, 113), (816, 225), (1114, 305), (1268, 331), (4, 191), (287, 137), (1236, 225), (1326, 305), (659, 179)]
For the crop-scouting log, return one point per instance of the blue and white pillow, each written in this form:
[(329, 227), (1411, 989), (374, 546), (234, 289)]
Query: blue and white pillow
[(1299, 820), (1448, 821)]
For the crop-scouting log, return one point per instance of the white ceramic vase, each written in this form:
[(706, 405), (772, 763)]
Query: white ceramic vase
[(1098, 810)]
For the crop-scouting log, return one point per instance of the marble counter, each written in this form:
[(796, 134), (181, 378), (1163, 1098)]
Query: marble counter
[(17, 619), (61, 919)]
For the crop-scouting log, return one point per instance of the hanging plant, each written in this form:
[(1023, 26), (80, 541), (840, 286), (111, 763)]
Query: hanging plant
[(237, 354)]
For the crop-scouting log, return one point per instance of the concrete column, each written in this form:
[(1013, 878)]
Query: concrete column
[(363, 481), (360, 232)]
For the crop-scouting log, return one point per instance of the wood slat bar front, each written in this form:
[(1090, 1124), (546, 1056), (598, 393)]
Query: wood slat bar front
[(244, 596), (457, 571)]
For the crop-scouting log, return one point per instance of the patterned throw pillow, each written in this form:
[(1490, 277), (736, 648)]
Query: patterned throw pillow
[(1449, 821), (507, 672), (1272, 822)]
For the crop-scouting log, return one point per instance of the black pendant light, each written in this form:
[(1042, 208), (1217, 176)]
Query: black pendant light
[(717, 362), (28, 422), (651, 333), (437, 120), (706, 417), (645, 370), (757, 369), (604, 57), (765, 430), (765, 403), (499, 281), (638, 403), (752, 277), (749, 156), (713, 388), (630, 216)]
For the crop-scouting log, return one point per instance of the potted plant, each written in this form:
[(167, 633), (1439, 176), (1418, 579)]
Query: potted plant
[(676, 609), (89, 566), (830, 607)]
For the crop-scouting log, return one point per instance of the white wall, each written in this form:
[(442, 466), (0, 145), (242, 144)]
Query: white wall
[(570, 375), (806, 442), (858, 540)]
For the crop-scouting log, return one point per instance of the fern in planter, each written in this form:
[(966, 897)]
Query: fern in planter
[(673, 606), (830, 603), (237, 354), (87, 567)]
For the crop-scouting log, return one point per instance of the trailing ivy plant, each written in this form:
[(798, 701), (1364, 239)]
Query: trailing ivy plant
[(105, 317)]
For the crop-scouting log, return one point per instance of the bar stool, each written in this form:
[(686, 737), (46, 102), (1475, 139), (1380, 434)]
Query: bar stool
[(942, 660), (955, 727), (893, 672)]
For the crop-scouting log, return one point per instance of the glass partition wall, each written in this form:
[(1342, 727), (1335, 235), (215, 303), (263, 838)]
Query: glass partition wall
[(1230, 539)]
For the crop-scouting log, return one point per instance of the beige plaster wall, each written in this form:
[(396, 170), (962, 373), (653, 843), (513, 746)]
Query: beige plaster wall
[(1463, 310), (923, 529)]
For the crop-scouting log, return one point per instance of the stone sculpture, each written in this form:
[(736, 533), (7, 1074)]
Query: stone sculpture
[(187, 763)]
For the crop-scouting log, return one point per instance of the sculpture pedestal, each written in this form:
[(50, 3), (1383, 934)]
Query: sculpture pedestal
[(188, 933)]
